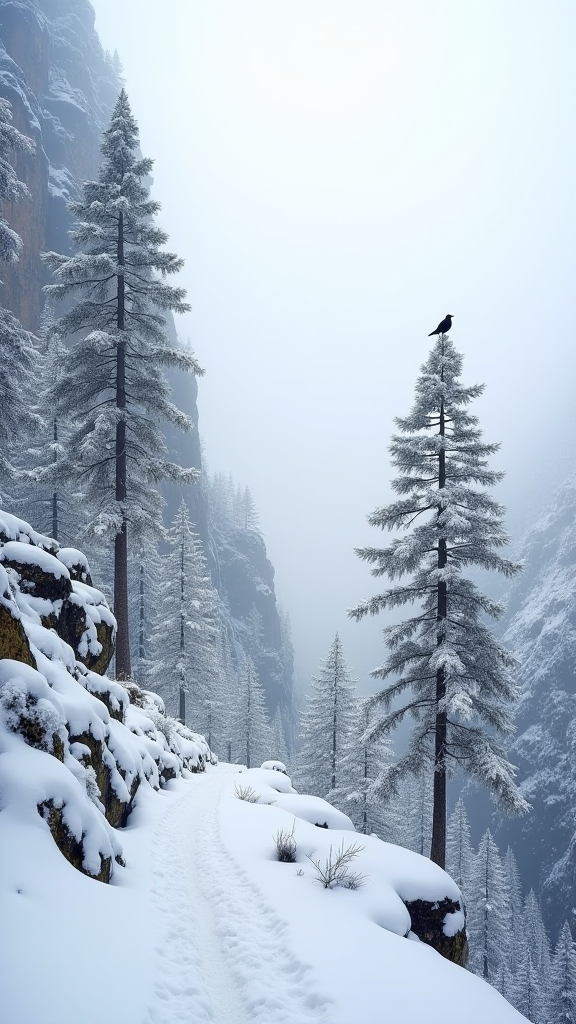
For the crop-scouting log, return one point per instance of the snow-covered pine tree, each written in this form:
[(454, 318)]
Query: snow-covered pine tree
[(251, 732), (411, 811), (459, 675), (514, 886), (39, 494), (459, 857), (364, 761), (113, 389), (534, 939), (527, 994), (488, 924), (563, 979), (18, 363), (185, 631), (228, 698), (327, 725), (245, 512), (144, 572)]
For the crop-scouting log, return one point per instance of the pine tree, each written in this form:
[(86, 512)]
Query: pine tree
[(184, 637), (113, 390), (251, 733), (514, 887), (412, 812), (460, 677), (144, 570), (563, 979), (327, 724), (18, 362), (534, 946), (246, 511), (527, 995), (459, 857), (488, 912), (38, 495), (364, 761)]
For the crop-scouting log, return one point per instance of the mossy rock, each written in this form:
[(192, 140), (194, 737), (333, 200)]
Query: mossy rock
[(99, 663), (427, 923), (38, 581), (70, 847), (116, 811), (70, 624), (13, 640)]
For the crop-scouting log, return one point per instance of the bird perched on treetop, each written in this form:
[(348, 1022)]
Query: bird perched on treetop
[(444, 326)]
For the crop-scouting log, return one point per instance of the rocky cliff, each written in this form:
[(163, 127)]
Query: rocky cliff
[(61, 86)]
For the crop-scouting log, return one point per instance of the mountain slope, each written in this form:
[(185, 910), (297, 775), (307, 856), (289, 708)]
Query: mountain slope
[(540, 628)]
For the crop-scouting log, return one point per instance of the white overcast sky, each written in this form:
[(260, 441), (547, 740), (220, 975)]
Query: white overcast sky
[(338, 176)]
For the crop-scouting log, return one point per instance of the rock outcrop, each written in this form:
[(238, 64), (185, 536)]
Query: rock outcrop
[(76, 746), (440, 924)]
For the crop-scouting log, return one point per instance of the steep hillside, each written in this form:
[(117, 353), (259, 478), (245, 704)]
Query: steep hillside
[(540, 628)]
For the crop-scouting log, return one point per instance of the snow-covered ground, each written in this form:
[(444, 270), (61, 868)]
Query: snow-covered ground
[(205, 925)]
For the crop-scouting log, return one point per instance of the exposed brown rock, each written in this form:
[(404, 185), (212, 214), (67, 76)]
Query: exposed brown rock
[(427, 923), (13, 640), (67, 844), (116, 810), (37, 580)]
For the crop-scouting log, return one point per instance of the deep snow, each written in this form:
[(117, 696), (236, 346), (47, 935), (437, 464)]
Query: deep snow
[(205, 925)]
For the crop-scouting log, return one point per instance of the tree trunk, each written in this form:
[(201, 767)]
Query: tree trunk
[(334, 727), (55, 493), (182, 639), (123, 667), (141, 643), (438, 848)]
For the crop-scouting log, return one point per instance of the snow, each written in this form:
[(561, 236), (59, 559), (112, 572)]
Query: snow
[(13, 528), (28, 554), (276, 766), (203, 924)]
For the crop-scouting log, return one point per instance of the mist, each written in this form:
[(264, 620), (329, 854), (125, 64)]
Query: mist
[(339, 176)]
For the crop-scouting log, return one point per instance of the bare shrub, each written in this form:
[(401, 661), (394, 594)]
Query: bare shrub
[(246, 793), (336, 868), (286, 845)]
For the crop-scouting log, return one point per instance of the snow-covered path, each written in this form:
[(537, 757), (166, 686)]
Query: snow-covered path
[(222, 954)]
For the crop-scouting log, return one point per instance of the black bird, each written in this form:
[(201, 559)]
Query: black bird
[(443, 327)]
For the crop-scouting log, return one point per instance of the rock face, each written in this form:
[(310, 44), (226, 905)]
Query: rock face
[(62, 87), (541, 630), (76, 746), (244, 577)]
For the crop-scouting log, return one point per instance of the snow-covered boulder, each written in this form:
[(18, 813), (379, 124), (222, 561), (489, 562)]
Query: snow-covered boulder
[(54, 584), (74, 750)]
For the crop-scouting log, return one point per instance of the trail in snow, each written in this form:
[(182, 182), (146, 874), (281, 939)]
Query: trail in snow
[(223, 953)]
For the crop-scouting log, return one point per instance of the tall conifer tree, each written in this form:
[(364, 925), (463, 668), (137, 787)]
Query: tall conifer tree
[(17, 352), (184, 641), (563, 998), (459, 675), (113, 389), (328, 722)]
